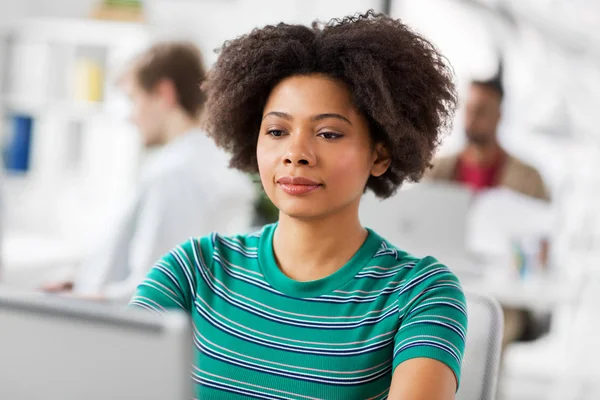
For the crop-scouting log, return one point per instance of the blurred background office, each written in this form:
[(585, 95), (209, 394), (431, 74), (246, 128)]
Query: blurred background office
[(71, 156)]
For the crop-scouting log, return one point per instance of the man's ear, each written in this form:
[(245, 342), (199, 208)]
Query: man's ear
[(382, 160), (165, 90)]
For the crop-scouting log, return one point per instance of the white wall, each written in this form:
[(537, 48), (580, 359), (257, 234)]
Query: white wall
[(63, 8), (210, 22), (9, 10), (52, 8), (206, 22)]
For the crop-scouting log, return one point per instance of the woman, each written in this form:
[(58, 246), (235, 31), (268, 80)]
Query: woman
[(316, 306)]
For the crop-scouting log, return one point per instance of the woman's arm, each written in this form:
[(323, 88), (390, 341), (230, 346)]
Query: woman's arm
[(422, 379), (430, 341)]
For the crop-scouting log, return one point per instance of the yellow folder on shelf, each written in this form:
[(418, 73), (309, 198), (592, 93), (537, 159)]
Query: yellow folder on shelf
[(89, 80)]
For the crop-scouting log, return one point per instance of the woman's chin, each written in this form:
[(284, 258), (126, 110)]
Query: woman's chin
[(302, 212)]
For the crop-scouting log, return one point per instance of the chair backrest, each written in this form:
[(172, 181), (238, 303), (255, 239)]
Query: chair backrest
[(481, 361), (580, 377), (429, 218)]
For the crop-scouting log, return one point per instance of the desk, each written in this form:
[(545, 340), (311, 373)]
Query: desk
[(541, 293), (28, 259)]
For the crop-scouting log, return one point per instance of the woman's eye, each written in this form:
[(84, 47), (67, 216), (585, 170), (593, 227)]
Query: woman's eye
[(330, 135), (275, 132)]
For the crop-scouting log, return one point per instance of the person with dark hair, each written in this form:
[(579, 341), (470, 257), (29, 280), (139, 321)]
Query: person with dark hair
[(184, 186), (484, 164), (316, 305)]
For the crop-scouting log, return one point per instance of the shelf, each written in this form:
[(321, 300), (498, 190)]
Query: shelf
[(77, 109), (50, 252), (81, 31), (44, 59)]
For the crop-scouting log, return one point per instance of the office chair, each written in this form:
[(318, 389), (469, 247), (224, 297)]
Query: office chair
[(481, 361), (580, 376)]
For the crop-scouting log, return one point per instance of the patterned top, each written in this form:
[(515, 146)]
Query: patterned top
[(260, 334)]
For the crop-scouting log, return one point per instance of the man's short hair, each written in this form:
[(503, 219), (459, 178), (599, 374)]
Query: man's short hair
[(494, 83), (179, 62)]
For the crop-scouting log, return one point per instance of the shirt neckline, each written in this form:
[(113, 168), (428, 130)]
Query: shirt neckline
[(277, 279)]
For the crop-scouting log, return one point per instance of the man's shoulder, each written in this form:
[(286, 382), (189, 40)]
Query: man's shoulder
[(443, 167), (524, 178), (450, 159), (521, 167)]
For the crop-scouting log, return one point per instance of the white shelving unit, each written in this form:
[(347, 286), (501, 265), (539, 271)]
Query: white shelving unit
[(40, 57), (84, 155)]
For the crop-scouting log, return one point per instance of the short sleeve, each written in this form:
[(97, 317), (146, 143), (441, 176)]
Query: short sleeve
[(171, 283), (433, 317)]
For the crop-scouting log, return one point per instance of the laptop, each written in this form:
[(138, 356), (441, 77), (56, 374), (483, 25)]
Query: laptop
[(63, 349), (424, 219)]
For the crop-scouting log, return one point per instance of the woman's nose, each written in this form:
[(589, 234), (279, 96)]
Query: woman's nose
[(300, 152)]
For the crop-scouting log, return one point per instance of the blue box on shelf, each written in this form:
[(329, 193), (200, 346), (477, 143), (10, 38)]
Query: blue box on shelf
[(17, 150)]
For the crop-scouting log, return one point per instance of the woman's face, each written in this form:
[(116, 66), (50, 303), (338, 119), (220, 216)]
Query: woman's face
[(314, 149)]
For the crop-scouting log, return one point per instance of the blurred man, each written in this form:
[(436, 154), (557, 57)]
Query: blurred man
[(482, 164), (186, 188)]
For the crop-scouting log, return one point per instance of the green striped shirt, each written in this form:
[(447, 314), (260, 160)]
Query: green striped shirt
[(259, 334)]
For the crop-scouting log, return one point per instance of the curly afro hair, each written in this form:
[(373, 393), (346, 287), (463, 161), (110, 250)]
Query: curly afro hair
[(398, 80)]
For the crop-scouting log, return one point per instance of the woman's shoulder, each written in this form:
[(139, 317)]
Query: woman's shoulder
[(414, 269), (389, 252), (216, 245)]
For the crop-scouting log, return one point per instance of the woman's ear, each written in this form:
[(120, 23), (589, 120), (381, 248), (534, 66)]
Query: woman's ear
[(382, 160)]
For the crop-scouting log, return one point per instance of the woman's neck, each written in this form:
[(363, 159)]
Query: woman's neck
[(308, 250)]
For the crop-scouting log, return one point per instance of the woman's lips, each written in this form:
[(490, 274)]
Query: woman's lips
[(296, 186)]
